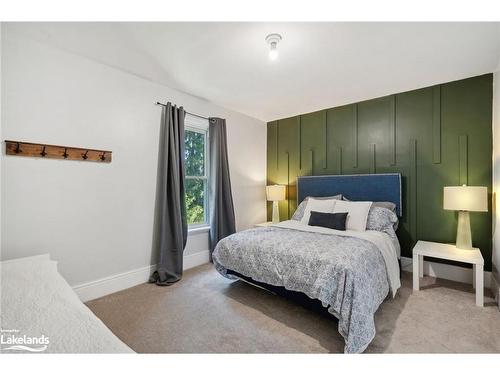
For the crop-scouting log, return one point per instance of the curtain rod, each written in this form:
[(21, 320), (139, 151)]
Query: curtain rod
[(191, 113)]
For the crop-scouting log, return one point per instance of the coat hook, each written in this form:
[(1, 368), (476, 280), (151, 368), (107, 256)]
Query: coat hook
[(18, 148), (65, 155), (43, 153), (84, 156), (103, 157)]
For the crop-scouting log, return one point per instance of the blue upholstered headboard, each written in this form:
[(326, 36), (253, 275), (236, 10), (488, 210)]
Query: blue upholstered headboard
[(384, 187)]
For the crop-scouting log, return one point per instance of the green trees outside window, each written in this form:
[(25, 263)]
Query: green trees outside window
[(196, 176)]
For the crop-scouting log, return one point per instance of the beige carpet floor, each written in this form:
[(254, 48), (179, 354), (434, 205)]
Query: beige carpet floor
[(206, 313)]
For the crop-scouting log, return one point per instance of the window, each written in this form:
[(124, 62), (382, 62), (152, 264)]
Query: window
[(196, 162)]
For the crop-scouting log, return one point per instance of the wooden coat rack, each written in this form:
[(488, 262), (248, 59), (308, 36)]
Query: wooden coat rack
[(41, 150)]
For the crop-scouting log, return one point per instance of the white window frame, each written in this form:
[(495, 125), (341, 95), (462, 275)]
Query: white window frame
[(200, 125)]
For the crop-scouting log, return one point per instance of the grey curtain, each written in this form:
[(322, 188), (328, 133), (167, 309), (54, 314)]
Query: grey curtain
[(170, 231), (222, 222)]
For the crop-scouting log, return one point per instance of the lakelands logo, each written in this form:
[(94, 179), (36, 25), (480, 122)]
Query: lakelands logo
[(12, 341)]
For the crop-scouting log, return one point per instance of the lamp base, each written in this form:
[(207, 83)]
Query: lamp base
[(276, 213), (464, 237)]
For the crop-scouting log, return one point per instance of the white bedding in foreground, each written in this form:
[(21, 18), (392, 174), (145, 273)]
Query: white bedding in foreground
[(388, 247), (36, 301)]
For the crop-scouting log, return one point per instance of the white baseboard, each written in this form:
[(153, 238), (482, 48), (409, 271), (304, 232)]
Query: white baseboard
[(447, 271), (196, 259), (114, 283), (111, 284)]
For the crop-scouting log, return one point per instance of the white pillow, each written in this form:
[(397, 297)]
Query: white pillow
[(357, 214), (320, 205)]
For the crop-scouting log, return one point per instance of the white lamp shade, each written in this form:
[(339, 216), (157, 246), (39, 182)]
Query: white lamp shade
[(275, 192), (465, 198)]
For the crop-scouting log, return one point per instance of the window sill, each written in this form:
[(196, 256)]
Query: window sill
[(198, 229)]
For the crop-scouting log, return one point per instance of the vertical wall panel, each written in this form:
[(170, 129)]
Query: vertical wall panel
[(355, 135), (288, 147), (277, 144), (272, 145), (463, 157), (299, 119), (272, 158), (294, 169), (325, 139), (311, 160), (339, 160), (413, 189), (373, 162), (374, 129), (466, 110), (392, 130), (436, 124), (339, 140), (312, 138), (288, 183)]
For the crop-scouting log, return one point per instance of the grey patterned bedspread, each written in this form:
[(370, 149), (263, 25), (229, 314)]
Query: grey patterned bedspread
[(347, 274)]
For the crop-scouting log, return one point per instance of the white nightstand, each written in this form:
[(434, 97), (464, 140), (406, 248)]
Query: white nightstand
[(266, 224), (449, 252)]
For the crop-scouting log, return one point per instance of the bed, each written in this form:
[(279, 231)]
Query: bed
[(39, 312), (350, 273)]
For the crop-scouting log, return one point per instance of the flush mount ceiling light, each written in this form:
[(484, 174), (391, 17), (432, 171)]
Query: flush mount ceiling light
[(273, 40)]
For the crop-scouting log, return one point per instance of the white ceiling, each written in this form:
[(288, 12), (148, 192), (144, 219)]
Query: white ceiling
[(320, 65)]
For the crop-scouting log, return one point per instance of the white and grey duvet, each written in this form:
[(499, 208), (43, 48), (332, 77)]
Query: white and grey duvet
[(351, 273)]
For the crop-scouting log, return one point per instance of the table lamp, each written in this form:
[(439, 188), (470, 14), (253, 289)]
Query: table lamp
[(464, 199), (275, 193)]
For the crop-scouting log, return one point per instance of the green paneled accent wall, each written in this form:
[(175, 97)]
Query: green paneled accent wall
[(435, 136)]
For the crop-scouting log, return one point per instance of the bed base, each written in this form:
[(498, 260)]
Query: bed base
[(298, 297)]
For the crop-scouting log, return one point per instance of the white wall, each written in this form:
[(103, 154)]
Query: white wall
[(97, 219), (1, 145), (496, 175)]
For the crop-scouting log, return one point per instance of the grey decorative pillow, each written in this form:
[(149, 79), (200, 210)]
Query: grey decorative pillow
[(389, 205), (299, 212), (383, 220)]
